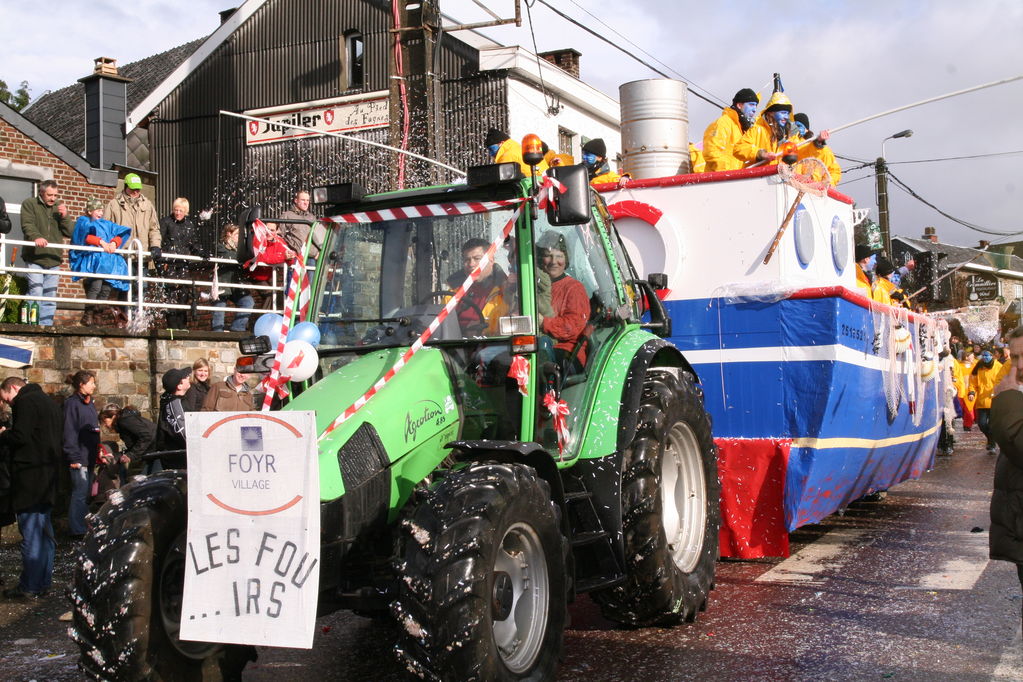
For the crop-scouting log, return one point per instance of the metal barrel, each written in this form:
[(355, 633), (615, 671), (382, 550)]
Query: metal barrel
[(655, 127)]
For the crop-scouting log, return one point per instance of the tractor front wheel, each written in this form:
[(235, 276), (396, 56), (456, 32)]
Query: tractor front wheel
[(483, 589)]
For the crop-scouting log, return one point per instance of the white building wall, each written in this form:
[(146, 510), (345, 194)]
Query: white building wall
[(527, 113)]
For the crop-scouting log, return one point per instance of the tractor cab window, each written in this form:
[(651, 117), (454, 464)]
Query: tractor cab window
[(386, 282), (578, 309)]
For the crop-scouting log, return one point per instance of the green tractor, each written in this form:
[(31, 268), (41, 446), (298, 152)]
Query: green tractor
[(544, 442)]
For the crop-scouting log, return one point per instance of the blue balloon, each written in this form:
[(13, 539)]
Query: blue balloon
[(269, 325), (305, 331)]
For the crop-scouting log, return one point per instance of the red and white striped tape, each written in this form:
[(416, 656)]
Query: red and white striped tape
[(449, 307), (424, 211), (273, 384)]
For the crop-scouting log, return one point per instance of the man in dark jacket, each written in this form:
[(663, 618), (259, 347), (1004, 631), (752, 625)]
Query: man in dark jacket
[(34, 440), (1006, 427), (170, 431), (45, 220)]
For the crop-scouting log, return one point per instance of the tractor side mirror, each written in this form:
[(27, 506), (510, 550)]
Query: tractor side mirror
[(571, 207), (658, 280), (248, 215)]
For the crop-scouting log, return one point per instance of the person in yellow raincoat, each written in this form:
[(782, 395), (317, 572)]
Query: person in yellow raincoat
[(595, 160), (866, 258), (818, 149), (967, 364), (697, 164), (984, 376), (720, 137), (764, 141), (888, 280), (503, 149)]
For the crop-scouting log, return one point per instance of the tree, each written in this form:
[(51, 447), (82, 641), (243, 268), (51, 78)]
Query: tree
[(18, 99)]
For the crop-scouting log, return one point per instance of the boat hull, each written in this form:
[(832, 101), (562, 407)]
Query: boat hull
[(798, 392)]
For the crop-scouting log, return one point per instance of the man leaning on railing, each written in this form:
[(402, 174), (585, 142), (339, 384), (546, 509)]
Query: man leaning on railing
[(44, 220)]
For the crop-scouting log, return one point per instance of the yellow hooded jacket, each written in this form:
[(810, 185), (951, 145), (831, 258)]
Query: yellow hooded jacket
[(510, 151), (610, 176), (983, 381), (825, 155), (758, 137), (696, 161), (719, 140)]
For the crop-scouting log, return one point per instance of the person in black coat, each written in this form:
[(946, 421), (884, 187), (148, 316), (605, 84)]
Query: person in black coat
[(81, 444), (1006, 427), (180, 236), (136, 432), (34, 444), (170, 430)]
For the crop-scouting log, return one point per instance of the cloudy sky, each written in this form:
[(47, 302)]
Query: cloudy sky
[(840, 61)]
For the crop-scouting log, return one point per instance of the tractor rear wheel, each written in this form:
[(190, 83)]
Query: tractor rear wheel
[(483, 588), (127, 588), (670, 508)]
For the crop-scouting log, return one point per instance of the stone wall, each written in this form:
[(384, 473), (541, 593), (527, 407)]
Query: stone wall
[(128, 368)]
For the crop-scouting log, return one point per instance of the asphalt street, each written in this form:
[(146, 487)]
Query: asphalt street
[(898, 589)]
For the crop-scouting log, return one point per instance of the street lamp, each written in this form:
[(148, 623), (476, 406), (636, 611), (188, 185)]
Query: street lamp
[(882, 191)]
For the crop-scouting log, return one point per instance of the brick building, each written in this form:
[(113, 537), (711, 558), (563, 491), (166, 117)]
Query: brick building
[(986, 274), (28, 155)]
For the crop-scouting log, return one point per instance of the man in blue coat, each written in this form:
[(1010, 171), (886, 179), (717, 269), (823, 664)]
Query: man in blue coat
[(34, 440)]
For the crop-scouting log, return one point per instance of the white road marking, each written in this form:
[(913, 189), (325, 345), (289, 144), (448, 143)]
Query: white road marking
[(1010, 665), (962, 572), (831, 551)]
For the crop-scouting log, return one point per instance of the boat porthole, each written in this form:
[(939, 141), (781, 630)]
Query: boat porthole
[(803, 236), (839, 244)]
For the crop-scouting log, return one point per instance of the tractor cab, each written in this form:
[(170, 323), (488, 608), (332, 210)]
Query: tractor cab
[(541, 295)]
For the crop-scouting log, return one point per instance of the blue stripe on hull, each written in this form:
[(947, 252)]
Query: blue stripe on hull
[(839, 401)]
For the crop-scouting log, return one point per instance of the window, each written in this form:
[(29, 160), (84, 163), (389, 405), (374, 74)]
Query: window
[(1018, 289), (565, 139), (352, 61), (14, 191)]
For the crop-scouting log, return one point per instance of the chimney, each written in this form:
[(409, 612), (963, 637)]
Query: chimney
[(106, 102), (226, 14), (566, 59), (930, 234), (983, 244)]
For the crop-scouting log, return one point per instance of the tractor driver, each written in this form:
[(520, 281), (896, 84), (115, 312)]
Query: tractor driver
[(485, 296)]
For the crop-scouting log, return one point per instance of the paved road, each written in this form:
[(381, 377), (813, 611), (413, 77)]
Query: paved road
[(899, 589)]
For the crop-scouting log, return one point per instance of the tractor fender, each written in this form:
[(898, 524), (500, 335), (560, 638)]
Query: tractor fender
[(511, 451), (653, 353)]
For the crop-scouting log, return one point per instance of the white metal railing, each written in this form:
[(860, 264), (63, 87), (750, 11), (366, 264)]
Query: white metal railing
[(139, 280)]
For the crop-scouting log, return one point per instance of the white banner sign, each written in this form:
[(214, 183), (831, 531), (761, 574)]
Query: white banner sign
[(253, 554), (345, 116)]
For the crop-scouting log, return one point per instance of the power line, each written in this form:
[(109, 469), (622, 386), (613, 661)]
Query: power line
[(853, 158), (956, 158), (849, 182), (908, 190), (621, 49), (618, 33)]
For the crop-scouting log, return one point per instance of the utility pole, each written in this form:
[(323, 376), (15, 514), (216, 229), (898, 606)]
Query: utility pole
[(415, 122), (881, 170)]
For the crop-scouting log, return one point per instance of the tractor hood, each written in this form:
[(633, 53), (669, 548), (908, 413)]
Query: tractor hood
[(415, 406)]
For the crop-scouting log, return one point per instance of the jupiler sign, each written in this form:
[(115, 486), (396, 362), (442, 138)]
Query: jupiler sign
[(341, 115)]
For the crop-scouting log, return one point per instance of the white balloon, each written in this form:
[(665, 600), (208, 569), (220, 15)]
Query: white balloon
[(299, 360)]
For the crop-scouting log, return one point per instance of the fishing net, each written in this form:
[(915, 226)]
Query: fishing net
[(980, 323), (807, 175), (893, 349)]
